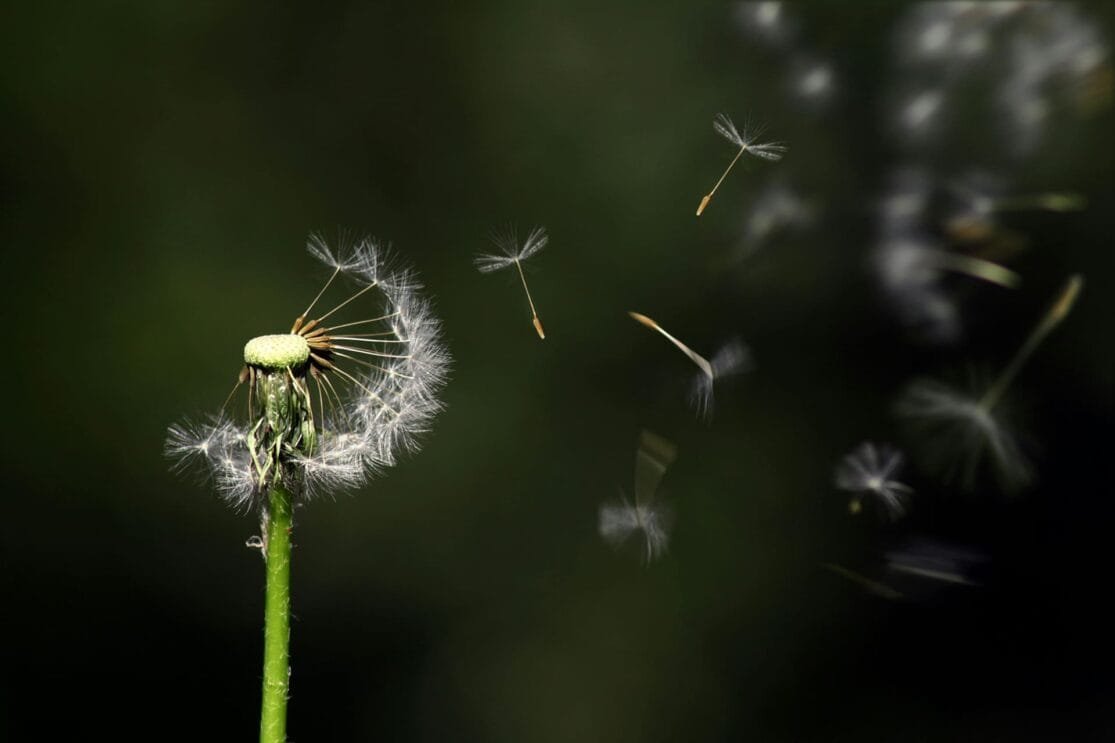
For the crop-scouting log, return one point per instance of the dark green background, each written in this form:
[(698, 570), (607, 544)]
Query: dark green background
[(162, 165)]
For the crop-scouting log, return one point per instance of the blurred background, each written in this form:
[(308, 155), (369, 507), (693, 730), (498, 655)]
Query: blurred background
[(162, 166)]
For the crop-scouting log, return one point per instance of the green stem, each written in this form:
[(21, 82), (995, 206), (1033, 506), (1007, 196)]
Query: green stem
[(276, 634)]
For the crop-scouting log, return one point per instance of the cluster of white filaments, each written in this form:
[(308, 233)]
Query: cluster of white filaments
[(870, 471), (646, 519), (366, 388)]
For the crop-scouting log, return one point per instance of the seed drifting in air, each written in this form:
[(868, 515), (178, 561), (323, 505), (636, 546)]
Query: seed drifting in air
[(960, 428), (870, 471), (733, 358), (511, 253), (645, 517), (723, 125)]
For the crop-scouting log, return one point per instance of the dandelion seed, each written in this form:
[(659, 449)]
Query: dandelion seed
[(746, 142), (512, 253), (918, 570), (958, 432), (978, 197), (907, 264), (878, 588), (869, 471), (935, 561), (975, 204), (620, 520), (960, 429), (732, 358)]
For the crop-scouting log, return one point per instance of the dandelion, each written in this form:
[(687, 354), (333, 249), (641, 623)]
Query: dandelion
[(732, 358), (619, 520), (328, 403), (960, 429), (746, 142), (511, 253), (869, 471)]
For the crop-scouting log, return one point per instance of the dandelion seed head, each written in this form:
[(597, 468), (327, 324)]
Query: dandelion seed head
[(276, 351), (335, 400)]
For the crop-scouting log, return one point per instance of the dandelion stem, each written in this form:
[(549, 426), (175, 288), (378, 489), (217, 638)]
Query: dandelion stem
[(276, 635), (1052, 318), (708, 197), (533, 312)]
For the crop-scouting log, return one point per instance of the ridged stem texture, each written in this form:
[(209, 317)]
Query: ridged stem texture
[(276, 635)]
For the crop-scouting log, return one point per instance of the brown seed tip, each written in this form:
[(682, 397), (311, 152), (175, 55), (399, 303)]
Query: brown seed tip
[(704, 203), (538, 328), (644, 320), (1068, 297)]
